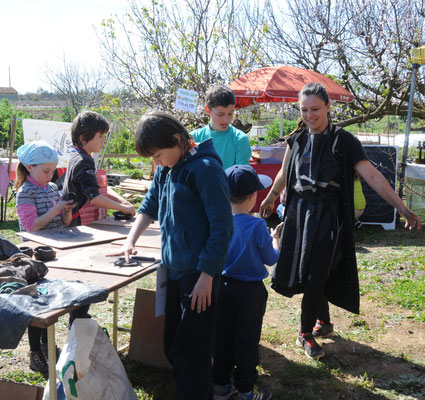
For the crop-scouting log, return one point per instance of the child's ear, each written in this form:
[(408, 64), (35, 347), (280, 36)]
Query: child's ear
[(207, 109), (82, 140), (178, 137)]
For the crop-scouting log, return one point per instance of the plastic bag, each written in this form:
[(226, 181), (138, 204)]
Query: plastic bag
[(89, 366)]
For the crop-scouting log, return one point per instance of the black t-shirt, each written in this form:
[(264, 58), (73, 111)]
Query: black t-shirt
[(81, 179), (345, 147)]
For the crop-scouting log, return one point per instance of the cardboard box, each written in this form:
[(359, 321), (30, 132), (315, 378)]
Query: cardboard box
[(268, 154)]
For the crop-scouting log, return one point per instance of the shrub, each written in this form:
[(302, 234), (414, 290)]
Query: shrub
[(273, 130)]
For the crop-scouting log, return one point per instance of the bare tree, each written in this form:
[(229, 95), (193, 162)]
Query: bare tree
[(82, 88), (159, 46), (364, 45)]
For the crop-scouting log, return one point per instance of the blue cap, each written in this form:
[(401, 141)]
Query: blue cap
[(243, 180), (37, 152)]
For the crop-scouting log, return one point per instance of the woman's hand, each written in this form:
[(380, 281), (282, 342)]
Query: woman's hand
[(266, 207), (201, 293), (412, 220)]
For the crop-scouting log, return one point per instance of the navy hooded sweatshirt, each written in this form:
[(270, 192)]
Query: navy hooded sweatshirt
[(191, 202)]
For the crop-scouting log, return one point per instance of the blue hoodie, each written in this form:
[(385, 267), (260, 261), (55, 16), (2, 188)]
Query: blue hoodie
[(191, 202)]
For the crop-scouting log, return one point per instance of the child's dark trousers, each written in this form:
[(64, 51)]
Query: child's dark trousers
[(240, 311), (189, 338)]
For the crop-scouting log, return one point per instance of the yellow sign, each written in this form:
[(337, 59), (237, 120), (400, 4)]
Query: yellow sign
[(419, 55)]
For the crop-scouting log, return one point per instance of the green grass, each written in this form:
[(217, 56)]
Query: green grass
[(392, 275), (31, 378)]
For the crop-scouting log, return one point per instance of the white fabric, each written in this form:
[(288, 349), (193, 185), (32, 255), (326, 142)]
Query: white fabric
[(101, 375)]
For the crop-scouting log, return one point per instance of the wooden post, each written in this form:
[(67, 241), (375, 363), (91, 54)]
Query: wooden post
[(9, 167)]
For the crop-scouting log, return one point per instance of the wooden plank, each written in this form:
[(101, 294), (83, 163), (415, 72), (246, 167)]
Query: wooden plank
[(109, 281), (64, 238), (95, 259), (145, 240), (135, 185), (146, 340), (19, 391), (114, 222)]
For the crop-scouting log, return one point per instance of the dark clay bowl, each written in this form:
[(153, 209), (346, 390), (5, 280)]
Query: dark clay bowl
[(121, 216), (44, 253), (28, 251), (70, 196)]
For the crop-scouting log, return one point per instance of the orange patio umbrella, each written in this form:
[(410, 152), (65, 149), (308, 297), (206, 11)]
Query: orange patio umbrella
[(280, 84)]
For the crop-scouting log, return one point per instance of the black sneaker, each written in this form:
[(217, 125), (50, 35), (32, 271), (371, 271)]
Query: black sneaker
[(45, 352), (38, 362), (311, 348), (224, 392), (254, 394), (323, 329)]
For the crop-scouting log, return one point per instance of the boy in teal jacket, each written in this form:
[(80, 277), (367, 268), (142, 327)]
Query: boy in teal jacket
[(231, 144), (189, 196)]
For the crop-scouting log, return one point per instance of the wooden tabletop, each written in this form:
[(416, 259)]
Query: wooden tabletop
[(110, 281)]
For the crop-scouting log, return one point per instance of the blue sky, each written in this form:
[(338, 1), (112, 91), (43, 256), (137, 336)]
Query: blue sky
[(36, 33)]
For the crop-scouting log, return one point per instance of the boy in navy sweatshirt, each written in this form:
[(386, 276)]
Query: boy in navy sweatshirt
[(243, 296)]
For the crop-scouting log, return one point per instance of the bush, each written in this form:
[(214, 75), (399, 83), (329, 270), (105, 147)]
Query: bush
[(7, 110), (273, 130), (136, 174)]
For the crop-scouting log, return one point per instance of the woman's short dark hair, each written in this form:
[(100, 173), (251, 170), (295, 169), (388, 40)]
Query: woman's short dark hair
[(314, 88), (219, 95), (156, 130), (87, 124)]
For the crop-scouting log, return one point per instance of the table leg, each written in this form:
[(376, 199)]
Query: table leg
[(115, 321), (51, 346)]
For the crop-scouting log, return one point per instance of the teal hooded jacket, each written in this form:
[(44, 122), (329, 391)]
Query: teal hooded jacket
[(191, 202)]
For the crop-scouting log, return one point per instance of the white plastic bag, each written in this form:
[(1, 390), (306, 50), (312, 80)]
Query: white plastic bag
[(89, 366)]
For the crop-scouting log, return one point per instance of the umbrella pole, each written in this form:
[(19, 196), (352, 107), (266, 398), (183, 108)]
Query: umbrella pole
[(415, 67), (281, 119)]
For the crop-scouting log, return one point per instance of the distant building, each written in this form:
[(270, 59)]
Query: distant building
[(8, 93)]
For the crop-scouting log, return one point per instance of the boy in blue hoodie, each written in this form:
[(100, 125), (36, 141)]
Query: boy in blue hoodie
[(243, 296), (189, 196)]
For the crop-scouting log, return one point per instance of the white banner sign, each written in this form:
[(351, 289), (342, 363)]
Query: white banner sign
[(186, 100), (57, 134)]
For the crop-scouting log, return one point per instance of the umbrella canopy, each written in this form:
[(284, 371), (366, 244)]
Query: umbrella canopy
[(281, 84)]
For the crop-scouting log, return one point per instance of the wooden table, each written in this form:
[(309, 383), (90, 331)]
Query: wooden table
[(111, 282)]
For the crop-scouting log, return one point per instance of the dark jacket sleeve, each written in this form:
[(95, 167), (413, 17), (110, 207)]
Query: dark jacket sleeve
[(214, 194), (85, 176)]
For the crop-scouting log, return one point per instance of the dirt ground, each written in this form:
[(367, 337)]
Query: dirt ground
[(392, 351), (378, 354)]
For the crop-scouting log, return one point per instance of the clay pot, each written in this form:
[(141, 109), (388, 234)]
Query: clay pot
[(44, 253)]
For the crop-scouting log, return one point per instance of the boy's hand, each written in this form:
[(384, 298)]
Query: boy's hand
[(126, 203), (128, 209), (201, 294), (126, 250), (276, 232)]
